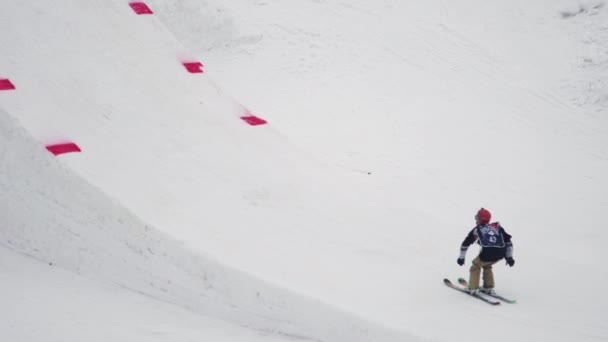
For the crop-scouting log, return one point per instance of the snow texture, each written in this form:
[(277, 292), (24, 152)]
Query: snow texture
[(389, 124)]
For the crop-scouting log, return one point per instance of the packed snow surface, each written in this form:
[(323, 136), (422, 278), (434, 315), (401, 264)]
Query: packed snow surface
[(390, 123)]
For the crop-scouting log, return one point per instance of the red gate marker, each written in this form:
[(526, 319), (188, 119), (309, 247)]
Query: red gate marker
[(140, 8), (194, 67), (253, 120), (58, 149), (6, 84)]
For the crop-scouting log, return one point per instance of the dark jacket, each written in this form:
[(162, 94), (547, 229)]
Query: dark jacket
[(490, 253)]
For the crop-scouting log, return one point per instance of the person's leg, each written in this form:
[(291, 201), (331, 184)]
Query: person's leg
[(475, 273), (488, 275)]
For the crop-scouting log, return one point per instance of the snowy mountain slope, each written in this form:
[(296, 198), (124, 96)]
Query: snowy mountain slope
[(450, 106), (53, 215), (407, 117), (45, 303), (156, 142)]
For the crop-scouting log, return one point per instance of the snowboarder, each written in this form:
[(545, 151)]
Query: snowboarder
[(495, 245)]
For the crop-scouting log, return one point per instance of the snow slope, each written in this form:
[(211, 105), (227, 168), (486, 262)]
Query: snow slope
[(153, 137), (391, 123), (49, 304), (450, 106), (53, 215)]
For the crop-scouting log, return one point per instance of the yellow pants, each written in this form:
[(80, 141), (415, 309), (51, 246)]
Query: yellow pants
[(488, 276)]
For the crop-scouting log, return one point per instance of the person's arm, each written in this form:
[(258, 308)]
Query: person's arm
[(469, 240), (509, 245)]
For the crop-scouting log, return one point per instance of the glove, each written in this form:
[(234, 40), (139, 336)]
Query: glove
[(461, 261), (510, 262)]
